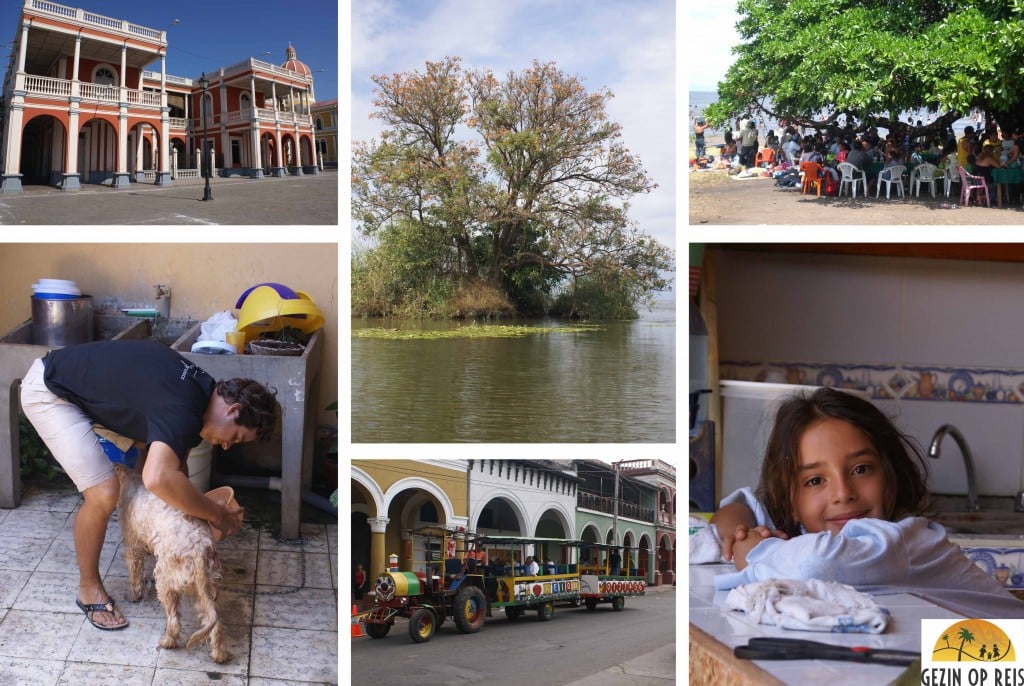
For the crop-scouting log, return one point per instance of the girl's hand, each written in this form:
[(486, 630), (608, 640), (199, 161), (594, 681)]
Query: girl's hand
[(746, 539), (742, 540)]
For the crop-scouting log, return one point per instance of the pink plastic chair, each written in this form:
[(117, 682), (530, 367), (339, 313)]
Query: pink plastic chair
[(969, 183)]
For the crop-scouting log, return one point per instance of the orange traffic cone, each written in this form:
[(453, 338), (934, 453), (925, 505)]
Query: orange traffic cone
[(357, 626)]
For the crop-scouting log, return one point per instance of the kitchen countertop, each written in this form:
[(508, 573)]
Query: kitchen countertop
[(719, 631)]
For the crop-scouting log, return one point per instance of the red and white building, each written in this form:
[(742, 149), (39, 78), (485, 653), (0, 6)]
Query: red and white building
[(80, 106)]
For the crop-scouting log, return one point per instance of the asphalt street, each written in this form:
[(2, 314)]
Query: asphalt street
[(271, 201), (634, 647)]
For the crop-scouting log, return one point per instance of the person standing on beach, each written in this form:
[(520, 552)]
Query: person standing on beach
[(748, 144), (699, 127)]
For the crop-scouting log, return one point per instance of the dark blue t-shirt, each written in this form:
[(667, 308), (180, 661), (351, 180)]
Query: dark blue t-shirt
[(139, 389)]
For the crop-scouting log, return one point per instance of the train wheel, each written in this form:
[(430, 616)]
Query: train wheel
[(618, 602), (469, 609), (422, 625), (545, 611), (377, 630), (591, 603)]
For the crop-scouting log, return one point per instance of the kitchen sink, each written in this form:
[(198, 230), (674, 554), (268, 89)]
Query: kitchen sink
[(996, 515)]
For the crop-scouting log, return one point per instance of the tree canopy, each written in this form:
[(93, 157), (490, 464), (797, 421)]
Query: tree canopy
[(521, 183), (873, 59)]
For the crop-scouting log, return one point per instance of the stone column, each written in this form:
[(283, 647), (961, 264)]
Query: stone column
[(378, 557), (72, 181), (23, 46), (12, 148), (225, 140), (121, 179), (163, 175), (281, 169), (124, 73), (75, 85), (256, 170), (139, 154)]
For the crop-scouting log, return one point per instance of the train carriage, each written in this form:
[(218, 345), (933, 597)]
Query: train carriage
[(516, 590), (599, 582)]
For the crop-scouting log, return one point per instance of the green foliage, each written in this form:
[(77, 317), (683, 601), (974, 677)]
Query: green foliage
[(538, 196), (868, 59), (36, 459)]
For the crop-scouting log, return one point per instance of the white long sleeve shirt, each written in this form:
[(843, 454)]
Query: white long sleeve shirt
[(913, 555)]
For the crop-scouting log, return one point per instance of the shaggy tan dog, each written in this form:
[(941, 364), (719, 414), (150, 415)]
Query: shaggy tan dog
[(186, 560)]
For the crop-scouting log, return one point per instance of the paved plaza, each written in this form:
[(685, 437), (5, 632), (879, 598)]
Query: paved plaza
[(287, 200)]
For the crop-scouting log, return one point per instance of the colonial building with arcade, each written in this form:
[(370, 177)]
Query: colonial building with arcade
[(83, 103), (629, 505)]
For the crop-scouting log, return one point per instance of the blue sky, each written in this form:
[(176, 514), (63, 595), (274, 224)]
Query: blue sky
[(627, 46), (220, 32)]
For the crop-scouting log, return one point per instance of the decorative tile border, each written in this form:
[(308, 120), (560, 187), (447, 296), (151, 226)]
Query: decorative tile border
[(906, 382), (1005, 565)]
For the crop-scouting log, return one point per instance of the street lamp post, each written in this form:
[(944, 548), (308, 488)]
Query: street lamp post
[(204, 160)]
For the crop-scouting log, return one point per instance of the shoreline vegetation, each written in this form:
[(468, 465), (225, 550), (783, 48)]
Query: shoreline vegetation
[(454, 298), (472, 331)]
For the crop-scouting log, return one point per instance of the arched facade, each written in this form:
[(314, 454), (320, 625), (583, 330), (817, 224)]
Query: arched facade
[(56, 71), (392, 496), (53, 72)]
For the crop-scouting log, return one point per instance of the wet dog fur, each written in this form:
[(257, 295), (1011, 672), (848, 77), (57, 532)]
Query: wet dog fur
[(186, 561)]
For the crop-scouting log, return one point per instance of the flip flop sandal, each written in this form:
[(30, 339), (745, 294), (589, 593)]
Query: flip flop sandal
[(100, 607)]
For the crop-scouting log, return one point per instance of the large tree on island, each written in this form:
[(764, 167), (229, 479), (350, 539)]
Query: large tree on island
[(521, 183), (872, 59)]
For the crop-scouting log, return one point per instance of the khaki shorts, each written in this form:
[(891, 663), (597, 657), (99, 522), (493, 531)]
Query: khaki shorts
[(66, 430)]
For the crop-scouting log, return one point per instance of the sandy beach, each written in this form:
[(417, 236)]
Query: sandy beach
[(717, 198)]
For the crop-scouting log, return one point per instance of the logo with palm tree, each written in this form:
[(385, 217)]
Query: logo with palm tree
[(973, 640)]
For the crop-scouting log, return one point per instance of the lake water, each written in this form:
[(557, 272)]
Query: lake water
[(699, 100), (614, 384)]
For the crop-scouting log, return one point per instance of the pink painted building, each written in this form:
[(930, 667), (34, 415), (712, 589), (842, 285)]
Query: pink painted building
[(81, 106)]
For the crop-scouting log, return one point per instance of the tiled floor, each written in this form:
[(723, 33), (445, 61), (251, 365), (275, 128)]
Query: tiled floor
[(278, 603)]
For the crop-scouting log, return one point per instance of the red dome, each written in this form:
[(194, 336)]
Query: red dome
[(294, 64)]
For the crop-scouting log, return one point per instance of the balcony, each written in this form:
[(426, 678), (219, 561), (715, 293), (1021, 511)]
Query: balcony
[(254, 65), (636, 467), (593, 501), (88, 92), (284, 116), (125, 28)]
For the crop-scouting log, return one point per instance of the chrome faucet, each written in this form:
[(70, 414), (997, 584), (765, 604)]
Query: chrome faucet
[(933, 451)]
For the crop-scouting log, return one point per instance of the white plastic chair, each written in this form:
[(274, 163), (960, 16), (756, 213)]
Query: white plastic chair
[(891, 176), (950, 177), (851, 176), (924, 173)]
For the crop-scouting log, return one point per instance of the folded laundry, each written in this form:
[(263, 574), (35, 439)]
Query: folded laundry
[(812, 605)]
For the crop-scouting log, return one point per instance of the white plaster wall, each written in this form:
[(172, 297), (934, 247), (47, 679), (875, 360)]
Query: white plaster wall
[(528, 502)]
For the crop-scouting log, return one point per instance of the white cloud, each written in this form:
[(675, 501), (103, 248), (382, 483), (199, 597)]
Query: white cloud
[(711, 35), (627, 47)]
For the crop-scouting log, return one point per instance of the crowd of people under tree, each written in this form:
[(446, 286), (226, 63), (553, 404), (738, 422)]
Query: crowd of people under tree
[(978, 152)]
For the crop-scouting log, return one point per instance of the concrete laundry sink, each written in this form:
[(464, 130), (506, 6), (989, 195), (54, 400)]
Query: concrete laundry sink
[(16, 355), (108, 327), (297, 383)]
